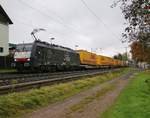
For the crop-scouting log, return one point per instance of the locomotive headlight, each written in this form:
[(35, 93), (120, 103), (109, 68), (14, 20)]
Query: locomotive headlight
[(28, 59), (15, 60)]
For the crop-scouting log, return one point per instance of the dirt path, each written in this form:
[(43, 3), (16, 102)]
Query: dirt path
[(87, 104)]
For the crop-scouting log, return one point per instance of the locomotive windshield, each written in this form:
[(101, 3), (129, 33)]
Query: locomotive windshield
[(24, 47)]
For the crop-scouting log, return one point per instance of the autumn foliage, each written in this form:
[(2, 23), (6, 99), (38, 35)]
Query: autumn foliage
[(140, 53)]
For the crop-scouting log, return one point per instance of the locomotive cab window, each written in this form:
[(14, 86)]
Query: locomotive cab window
[(24, 47), (1, 49)]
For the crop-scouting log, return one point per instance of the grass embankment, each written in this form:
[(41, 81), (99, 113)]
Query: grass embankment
[(134, 101), (7, 70), (16, 104)]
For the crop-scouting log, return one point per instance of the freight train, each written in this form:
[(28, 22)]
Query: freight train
[(42, 56)]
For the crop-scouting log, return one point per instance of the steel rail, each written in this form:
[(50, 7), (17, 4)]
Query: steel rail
[(47, 81), (11, 76), (35, 77)]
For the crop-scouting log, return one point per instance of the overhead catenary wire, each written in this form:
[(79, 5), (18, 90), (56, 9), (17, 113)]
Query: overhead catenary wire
[(98, 18), (27, 24), (58, 16), (48, 16), (67, 26), (31, 26)]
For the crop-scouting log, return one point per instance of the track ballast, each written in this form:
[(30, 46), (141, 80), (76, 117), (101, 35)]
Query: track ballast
[(19, 82)]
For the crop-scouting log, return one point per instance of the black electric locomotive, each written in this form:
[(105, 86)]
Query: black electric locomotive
[(42, 56)]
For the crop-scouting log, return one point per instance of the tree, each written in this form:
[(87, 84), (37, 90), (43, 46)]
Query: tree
[(137, 14), (140, 53), (118, 56), (121, 56)]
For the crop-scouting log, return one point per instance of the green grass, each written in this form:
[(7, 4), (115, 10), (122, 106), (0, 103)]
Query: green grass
[(17, 104), (7, 70), (134, 101)]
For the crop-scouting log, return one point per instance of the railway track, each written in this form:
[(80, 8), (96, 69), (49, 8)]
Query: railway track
[(19, 82), (22, 78)]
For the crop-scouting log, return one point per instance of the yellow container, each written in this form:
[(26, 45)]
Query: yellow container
[(87, 58), (100, 60), (103, 60)]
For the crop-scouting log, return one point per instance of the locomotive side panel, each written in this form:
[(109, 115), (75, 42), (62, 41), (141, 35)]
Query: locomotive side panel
[(52, 57), (74, 59)]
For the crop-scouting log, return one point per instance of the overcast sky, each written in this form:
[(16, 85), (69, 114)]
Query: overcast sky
[(70, 22)]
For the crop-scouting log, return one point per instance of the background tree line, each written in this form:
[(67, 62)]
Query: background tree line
[(137, 32)]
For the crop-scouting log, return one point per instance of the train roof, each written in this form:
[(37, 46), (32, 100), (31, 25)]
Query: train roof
[(57, 47), (24, 44)]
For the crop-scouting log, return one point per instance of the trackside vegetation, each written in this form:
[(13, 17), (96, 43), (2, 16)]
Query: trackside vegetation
[(7, 70), (134, 101), (16, 104)]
